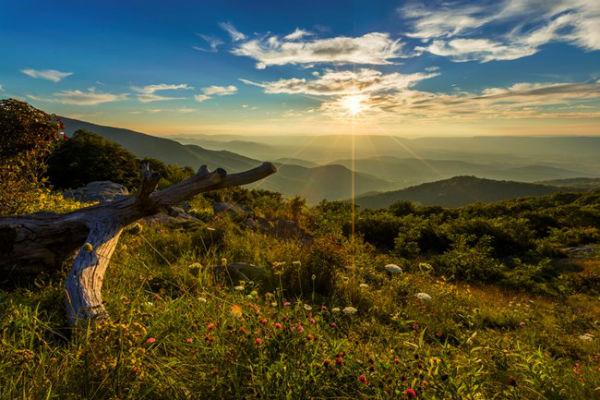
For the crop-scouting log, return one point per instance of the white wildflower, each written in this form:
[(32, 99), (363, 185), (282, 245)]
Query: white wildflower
[(202, 300), (423, 296), (239, 288), (335, 310), (363, 286), (349, 310), (307, 307)]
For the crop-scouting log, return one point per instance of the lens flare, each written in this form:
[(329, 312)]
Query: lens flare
[(354, 104)]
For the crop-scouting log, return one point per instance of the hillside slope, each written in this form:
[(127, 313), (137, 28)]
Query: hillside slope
[(457, 191), (166, 150)]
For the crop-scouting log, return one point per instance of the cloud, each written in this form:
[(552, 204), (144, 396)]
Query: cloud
[(510, 28), (236, 35), (341, 83), (212, 41), (483, 50), (297, 34), (371, 49), (219, 90), (80, 98), (520, 100), (210, 91), (147, 94), (48, 74)]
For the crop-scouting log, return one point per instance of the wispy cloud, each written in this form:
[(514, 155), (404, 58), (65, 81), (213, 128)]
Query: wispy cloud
[(48, 74), (147, 94), (521, 100), (212, 41), (502, 30), (371, 49), (80, 98), (341, 83), (236, 35), (210, 91), (297, 34)]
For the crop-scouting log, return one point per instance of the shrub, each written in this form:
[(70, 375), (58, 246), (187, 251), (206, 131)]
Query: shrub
[(87, 157), (471, 264)]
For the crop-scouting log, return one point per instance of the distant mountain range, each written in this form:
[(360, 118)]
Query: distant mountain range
[(301, 172), (456, 192), (315, 183)]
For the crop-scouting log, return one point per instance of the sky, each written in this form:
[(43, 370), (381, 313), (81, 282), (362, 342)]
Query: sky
[(406, 68)]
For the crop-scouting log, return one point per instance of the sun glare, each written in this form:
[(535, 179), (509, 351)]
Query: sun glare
[(353, 104)]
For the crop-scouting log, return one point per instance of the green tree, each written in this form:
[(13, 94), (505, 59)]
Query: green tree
[(88, 157), (28, 135)]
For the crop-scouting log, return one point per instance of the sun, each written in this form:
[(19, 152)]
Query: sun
[(353, 104)]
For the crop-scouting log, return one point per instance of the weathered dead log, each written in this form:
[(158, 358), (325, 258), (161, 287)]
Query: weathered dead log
[(47, 240)]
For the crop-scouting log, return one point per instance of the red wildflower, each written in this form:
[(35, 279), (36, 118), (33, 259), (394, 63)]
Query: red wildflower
[(189, 340), (211, 326), (310, 337), (263, 321), (258, 341), (410, 392), (333, 325), (278, 325), (339, 361), (300, 328), (150, 340), (362, 378), (312, 321)]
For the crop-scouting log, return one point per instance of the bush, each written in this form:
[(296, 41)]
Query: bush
[(471, 264), (28, 137), (88, 157)]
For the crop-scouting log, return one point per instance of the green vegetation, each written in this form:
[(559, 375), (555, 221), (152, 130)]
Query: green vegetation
[(510, 314)]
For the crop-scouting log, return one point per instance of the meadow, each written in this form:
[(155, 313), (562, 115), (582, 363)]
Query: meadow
[(496, 301)]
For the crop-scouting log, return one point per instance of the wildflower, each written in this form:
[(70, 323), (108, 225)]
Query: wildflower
[(393, 269), (586, 337), (423, 297), (244, 331), (335, 310), (363, 286), (307, 307), (278, 325), (150, 340), (522, 324), (253, 293), (312, 321), (274, 304), (211, 326), (202, 299), (189, 340), (349, 310), (258, 341), (333, 325), (262, 321), (339, 360), (208, 228), (300, 328), (236, 310), (310, 337), (410, 392), (88, 247), (287, 304), (313, 277), (239, 288), (363, 379)]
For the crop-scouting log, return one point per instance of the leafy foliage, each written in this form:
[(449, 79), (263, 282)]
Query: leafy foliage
[(87, 157)]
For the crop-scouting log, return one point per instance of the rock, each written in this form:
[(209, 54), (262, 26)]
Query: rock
[(234, 209), (101, 191), (423, 297), (393, 269)]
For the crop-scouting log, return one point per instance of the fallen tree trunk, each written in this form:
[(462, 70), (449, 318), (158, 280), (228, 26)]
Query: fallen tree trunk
[(47, 240)]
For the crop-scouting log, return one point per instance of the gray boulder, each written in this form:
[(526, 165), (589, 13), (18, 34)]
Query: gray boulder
[(102, 191)]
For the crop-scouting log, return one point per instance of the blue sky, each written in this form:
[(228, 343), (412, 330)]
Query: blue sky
[(408, 68)]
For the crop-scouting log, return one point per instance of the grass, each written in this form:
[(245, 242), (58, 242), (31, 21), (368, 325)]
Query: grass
[(179, 330)]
